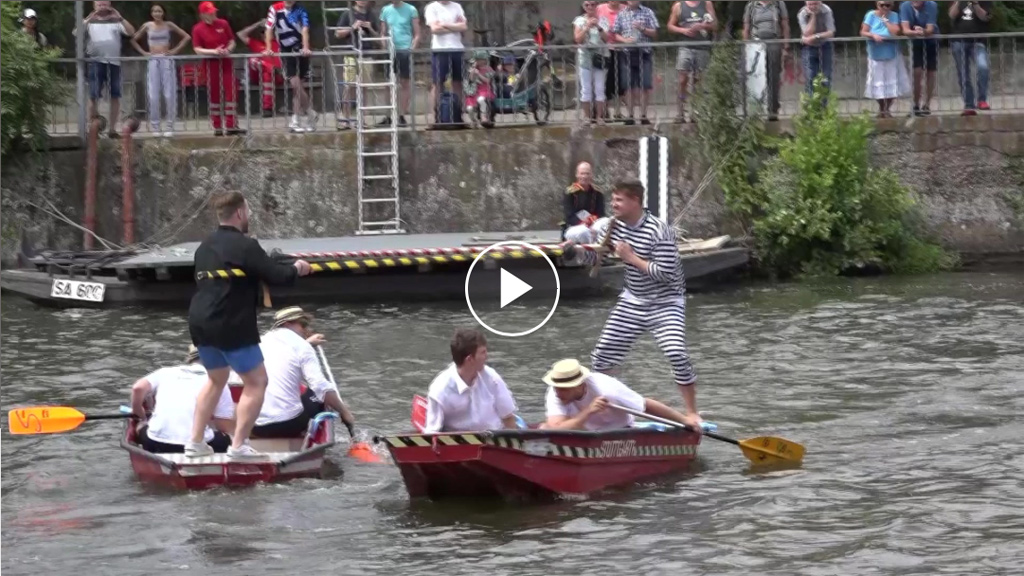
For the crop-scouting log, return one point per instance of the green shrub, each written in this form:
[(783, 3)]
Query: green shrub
[(28, 83)]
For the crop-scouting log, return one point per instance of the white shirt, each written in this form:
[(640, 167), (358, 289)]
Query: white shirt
[(290, 361), (453, 405), (447, 14), (105, 41), (176, 389), (599, 385)]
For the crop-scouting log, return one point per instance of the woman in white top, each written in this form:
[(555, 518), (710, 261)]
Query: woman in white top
[(162, 73), (592, 60)]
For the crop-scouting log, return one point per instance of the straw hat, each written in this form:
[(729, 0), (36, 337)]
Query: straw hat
[(193, 354), (292, 314), (566, 374)]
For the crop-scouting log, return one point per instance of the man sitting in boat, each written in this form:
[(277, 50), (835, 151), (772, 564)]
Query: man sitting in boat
[(174, 391), (291, 361), (583, 205), (579, 399), (469, 396)]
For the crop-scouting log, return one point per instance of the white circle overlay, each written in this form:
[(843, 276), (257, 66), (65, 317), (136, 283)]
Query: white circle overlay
[(558, 289)]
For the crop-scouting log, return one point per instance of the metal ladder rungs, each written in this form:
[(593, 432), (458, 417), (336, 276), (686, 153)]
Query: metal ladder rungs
[(384, 223), (379, 130), (377, 85), (377, 62), (346, 9), (378, 154), (381, 107), (379, 200), (378, 176)]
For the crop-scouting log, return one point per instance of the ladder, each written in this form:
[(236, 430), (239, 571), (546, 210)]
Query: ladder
[(377, 145)]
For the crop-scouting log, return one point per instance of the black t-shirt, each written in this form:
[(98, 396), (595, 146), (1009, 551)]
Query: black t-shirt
[(352, 16), (968, 22), (223, 310)]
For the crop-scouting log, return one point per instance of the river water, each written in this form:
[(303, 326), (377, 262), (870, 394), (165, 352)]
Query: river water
[(905, 392)]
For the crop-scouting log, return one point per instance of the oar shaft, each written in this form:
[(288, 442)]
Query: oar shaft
[(674, 424), (107, 416)]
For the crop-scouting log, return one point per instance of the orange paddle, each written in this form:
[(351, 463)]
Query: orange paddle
[(51, 419), (359, 450)]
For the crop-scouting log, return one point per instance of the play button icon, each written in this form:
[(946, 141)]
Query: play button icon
[(512, 288)]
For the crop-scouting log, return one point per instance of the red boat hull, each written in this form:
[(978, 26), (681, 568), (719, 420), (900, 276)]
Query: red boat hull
[(537, 463), (287, 459)]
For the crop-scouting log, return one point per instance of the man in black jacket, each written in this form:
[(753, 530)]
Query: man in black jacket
[(583, 205), (230, 268)]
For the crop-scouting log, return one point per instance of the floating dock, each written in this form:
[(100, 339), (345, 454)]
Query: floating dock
[(379, 268)]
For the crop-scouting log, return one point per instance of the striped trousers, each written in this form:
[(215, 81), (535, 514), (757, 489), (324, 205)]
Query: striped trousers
[(666, 322)]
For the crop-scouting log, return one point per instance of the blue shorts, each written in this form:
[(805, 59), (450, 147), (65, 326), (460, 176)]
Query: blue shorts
[(445, 64), (100, 75), (241, 360)]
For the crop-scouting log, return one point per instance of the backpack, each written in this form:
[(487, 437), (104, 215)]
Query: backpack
[(449, 110)]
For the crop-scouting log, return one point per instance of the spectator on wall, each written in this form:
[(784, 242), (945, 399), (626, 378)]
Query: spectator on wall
[(402, 21), (590, 32), (30, 25), (971, 18), (212, 36), (288, 21), (635, 26), (106, 29), (264, 71), (614, 87), (447, 22), (161, 73), (887, 77), (769, 20), (920, 20), (696, 23), (817, 28)]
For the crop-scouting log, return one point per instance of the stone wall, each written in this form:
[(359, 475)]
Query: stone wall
[(967, 173)]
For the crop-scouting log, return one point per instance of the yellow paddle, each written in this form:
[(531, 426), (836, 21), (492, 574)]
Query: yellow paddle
[(763, 450), (51, 419)]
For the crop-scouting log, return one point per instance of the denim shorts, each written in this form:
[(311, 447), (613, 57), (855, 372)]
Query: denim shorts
[(445, 64), (241, 360), (102, 74)]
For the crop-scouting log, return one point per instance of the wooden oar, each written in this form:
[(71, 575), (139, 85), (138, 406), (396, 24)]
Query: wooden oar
[(603, 247), (761, 450), (358, 450), (51, 419)]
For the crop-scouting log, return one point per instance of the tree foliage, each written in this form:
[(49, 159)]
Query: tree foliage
[(28, 83)]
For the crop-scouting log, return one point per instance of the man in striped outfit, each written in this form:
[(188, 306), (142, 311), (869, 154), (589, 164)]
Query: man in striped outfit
[(653, 299)]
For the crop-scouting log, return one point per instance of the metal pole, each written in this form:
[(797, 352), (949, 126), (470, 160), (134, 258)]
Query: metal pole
[(80, 91)]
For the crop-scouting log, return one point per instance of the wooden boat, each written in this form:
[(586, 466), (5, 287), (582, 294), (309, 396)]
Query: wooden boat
[(530, 463), (286, 459)]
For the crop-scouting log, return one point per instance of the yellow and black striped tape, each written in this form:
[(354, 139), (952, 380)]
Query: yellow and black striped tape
[(541, 447), (387, 262)]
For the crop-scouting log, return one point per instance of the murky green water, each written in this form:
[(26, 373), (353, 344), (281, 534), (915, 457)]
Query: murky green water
[(906, 393)]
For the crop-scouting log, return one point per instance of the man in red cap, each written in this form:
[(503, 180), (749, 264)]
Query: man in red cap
[(212, 36)]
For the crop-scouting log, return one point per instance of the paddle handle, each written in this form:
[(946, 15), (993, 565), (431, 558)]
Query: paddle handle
[(107, 416), (596, 269), (673, 423)]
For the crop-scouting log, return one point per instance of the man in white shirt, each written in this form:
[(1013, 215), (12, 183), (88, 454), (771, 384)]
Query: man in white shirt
[(174, 391), (447, 22), (579, 399), (291, 361), (469, 396), (106, 29)]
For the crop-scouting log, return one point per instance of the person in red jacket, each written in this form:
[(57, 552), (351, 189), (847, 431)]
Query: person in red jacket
[(263, 70), (212, 36)]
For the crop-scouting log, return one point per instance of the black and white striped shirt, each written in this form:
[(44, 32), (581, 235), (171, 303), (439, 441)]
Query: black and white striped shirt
[(654, 241)]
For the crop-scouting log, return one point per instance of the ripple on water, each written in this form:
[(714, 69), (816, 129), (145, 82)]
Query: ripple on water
[(907, 394)]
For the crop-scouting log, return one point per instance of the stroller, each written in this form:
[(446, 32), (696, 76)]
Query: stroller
[(528, 80)]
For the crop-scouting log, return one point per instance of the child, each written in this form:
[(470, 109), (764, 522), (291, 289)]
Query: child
[(479, 94)]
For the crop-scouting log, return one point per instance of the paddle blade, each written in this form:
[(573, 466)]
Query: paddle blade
[(43, 420), (361, 451), (419, 413), (767, 450)]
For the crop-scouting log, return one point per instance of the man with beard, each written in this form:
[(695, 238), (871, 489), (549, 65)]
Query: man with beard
[(230, 268)]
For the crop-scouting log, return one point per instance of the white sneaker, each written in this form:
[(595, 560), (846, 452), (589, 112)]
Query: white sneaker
[(294, 126), (311, 120), (246, 452), (198, 450)]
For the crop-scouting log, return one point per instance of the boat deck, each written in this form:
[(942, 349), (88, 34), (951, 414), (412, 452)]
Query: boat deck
[(268, 458), (183, 254)]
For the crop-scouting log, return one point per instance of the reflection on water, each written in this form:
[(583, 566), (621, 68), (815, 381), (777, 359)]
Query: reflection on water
[(906, 393)]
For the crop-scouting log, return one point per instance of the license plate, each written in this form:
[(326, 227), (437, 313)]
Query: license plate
[(75, 290)]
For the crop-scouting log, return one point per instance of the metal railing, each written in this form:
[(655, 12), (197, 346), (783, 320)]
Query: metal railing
[(545, 86)]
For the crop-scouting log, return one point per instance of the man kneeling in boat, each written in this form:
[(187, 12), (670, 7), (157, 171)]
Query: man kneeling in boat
[(469, 396), (579, 399), (290, 361), (175, 390)]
